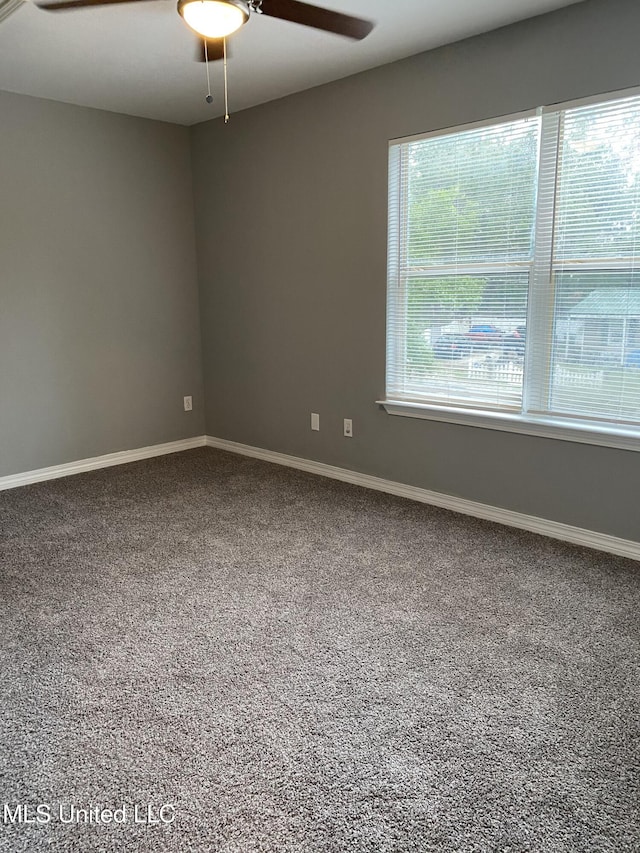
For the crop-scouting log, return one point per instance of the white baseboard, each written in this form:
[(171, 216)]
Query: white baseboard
[(554, 529), (123, 456)]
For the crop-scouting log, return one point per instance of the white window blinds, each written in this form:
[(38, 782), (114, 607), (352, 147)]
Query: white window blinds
[(594, 292), (461, 249), (514, 279)]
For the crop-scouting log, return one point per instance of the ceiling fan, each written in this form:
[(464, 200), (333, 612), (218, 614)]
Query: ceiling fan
[(214, 20)]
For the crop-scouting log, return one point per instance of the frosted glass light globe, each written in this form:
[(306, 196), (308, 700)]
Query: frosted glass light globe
[(214, 18)]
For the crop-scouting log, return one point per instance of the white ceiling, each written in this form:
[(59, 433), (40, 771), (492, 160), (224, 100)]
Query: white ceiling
[(138, 58)]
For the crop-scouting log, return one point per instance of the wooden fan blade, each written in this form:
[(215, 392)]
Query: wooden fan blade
[(315, 16), (79, 4), (215, 50)]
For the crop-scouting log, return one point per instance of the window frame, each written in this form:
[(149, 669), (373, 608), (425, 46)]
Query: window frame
[(530, 419)]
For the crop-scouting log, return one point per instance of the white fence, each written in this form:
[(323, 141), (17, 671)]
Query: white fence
[(511, 372), (496, 371), (564, 376)]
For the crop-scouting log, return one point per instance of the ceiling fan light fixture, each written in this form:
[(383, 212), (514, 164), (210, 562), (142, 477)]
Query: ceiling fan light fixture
[(214, 18)]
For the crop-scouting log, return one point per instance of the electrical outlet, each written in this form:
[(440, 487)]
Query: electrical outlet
[(188, 404), (348, 427), (315, 421)]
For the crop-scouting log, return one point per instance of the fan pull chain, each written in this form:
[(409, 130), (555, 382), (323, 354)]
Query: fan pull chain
[(226, 91), (209, 98)]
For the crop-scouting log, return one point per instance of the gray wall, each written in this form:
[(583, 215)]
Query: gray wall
[(291, 201), (99, 332)]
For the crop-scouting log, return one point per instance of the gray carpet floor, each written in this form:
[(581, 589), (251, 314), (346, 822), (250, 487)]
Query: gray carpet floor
[(296, 664)]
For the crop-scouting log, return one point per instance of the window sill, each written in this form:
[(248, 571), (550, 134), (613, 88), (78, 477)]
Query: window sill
[(621, 437)]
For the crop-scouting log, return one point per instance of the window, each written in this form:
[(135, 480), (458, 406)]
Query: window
[(514, 274)]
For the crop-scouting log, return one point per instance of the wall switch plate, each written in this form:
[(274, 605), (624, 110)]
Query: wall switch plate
[(348, 427), (188, 404), (315, 421)]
